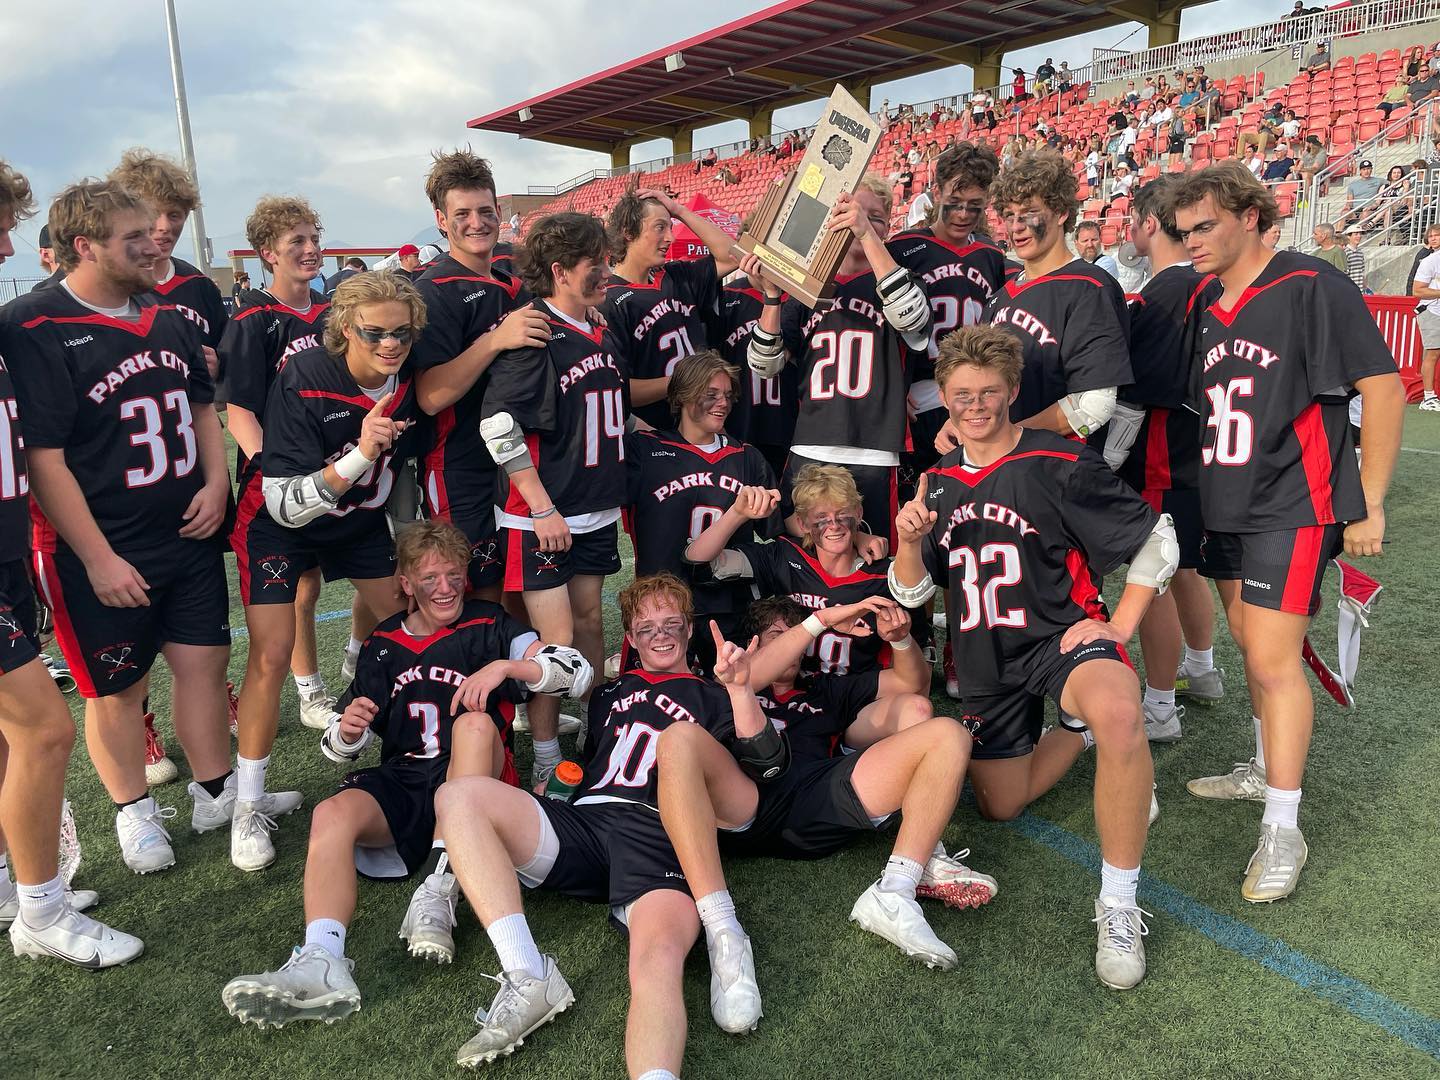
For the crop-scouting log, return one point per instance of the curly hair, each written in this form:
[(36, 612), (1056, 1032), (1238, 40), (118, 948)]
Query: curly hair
[(564, 238), (691, 379), (1233, 188), (274, 216), (432, 537), (966, 165), (161, 182), (371, 287), (655, 589), (88, 208), (983, 346), (1041, 174), (17, 200), (626, 220), (459, 170), (762, 613)]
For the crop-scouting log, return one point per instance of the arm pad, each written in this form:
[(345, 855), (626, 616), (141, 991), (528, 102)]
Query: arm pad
[(730, 565), (294, 501), (334, 746), (506, 442), (562, 669), (1155, 563), (764, 756), (1125, 424), (1089, 410), (766, 353), (910, 596)]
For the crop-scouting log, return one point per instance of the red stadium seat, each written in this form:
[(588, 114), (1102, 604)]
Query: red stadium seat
[(1109, 235)]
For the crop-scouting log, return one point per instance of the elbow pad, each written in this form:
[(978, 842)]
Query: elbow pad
[(334, 746), (910, 596), (1125, 424), (1089, 410), (730, 565), (506, 442), (1158, 558), (764, 756), (562, 670), (295, 501), (403, 506), (766, 353), (906, 306)]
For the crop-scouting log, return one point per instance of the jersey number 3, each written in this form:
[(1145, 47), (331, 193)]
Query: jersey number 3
[(977, 604), (1233, 427), (151, 436)]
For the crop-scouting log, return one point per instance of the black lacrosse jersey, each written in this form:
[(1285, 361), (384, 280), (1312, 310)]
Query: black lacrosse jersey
[(661, 323), (1020, 546), (502, 257), (765, 414), (1275, 377), (461, 307), (676, 492), (785, 568), (261, 338), (815, 712), (413, 680), (1073, 328), (14, 482), (197, 298), (314, 416), (571, 398), (118, 396), (625, 721), (959, 282), (1164, 320), (853, 378)]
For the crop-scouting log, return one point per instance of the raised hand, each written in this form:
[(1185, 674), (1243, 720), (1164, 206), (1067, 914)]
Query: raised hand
[(915, 519), (379, 432), (754, 270), (358, 716), (732, 663), (756, 503), (847, 213), (850, 618)]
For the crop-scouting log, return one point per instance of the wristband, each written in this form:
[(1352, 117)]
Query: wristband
[(544, 513), (903, 644), (813, 626), (772, 301), (353, 465)]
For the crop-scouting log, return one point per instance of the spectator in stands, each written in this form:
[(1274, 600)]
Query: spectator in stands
[(1395, 96), (409, 258), (885, 111), (1162, 86), (1327, 249), (1128, 136), (1414, 57), (1434, 158), (905, 178), (1280, 166), (1148, 90), (1396, 198), (1312, 159), (1064, 80), (1425, 284), (1190, 95), (1355, 257), (1360, 193), (932, 150), (1271, 236), (1290, 125), (1202, 81), (710, 160), (727, 176), (349, 269), (786, 147), (1043, 74), (1132, 97), (1124, 181), (1181, 125), (1088, 247), (1161, 117), (1253, 160), (1018, 96), (1424, 87), (1319, 60), (913, 156), (1093, 164), (920, 208)]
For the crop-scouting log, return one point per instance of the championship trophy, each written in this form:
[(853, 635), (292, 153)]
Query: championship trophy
[(787, 232)]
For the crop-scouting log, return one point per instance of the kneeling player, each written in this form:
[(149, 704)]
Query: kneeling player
[(382, 823), (1019, 523), (607, 845)]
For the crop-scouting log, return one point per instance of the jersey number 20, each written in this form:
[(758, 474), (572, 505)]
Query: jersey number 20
[(844, 364)]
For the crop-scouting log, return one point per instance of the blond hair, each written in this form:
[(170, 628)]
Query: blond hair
[(414, 542), (983, 346), (17, 200), (273, 217), (822, 485), (691, 379), (158, 180), (656, 589), (88, 208), (371, 287), (880, 188)]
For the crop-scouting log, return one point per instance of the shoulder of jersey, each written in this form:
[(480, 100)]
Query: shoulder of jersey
[(1039, 439), (394, 622), (39, 303), (313, 368), (183, 270), (252, 300), (479, 609)]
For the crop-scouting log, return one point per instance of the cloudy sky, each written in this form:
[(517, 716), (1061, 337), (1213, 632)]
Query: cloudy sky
[(342, 102)]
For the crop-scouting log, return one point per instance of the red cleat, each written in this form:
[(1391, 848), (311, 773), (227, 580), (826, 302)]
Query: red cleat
[(159, 769), (952, 682), (233, 702)]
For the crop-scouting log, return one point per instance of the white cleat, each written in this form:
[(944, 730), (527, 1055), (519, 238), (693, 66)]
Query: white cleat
[(1430, 404), (1274, 869), (1120, 949), (78, 900), (1163, 724), (250, 844), (1154, 806), (569, 725), (144, 841), (317, 709), (428, 929), (522, 1004), (899, 920), (948, 879), (159, 769), (313, 985), (1205, 687), (1245, 781), (210, 814), (734, 993), (77, 939)]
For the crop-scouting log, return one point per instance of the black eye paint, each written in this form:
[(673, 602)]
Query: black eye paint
[(1037, 225)]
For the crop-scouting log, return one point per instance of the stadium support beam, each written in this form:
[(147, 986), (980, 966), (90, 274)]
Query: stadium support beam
[(620, 155), (718, 109), (761, 123), (1161, 21), (985, 71), (940, 50), (682, 141)]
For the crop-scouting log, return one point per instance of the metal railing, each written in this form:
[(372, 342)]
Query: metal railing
[(1425, 118), (1398, 215), (10, 288)]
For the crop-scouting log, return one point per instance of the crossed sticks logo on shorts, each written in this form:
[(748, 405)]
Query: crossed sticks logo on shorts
[(483, 554), (116, 658), (275, 568), (546, 561)]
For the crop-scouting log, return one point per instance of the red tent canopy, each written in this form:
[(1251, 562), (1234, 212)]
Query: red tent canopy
[(686, 244)]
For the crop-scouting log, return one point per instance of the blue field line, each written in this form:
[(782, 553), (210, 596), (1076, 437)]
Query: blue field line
[(323, 616), (1413, 1028)]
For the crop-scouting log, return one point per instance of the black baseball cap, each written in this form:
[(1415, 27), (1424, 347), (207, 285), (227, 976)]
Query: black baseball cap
[(44, 237), (1367, 164)]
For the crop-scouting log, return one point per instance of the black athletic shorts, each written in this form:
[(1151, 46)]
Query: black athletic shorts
[(809, 812), (111, 648), (405, 791), (486, 566), (1281, 570), (610, 853), (270, 558), (879, 493), (19, 633), (1183, 506), (528, 569)]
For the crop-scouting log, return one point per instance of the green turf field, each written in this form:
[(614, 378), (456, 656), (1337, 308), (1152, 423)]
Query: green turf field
[(1341, 980)]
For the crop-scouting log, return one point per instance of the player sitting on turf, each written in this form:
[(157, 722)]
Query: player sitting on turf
[(1019, 524), (607, 845), (819, 799), (417, 670), (824, 567)]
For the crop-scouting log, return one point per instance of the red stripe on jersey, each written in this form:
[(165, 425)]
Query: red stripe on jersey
[(1315, 460), (926, 234), (656, 677), (252, 497), (361, 401), (1199, 291), (515, 502), (435, 489), (1157, 452), (970, 477), (1304, 565), (316, 310), (166, 287), (139, 327), (42, 534), (1015, 289), (827, 578), (620, 283), (1153, 498), (1083, 592), (514, 560), (1134, 298), (592, 335), (711, 456), (894, 536), (419, 645), (1229, 317), (511, 289), (49, 579)]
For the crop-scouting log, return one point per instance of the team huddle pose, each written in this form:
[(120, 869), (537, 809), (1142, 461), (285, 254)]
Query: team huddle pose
[(800, 488)]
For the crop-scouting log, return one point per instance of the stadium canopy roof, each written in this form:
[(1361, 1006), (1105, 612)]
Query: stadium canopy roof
[(796, 51)]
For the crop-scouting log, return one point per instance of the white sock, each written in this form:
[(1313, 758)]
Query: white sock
[(308, 684), (250, 777), (1159, 699), (1281, 807), (328, 934), (515, 946), (1259, 746), (658, 1074), (41, 905), (717, 912), (901, 876), (547, 752), (1118, 885), (352, 651), (1198, 661)]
